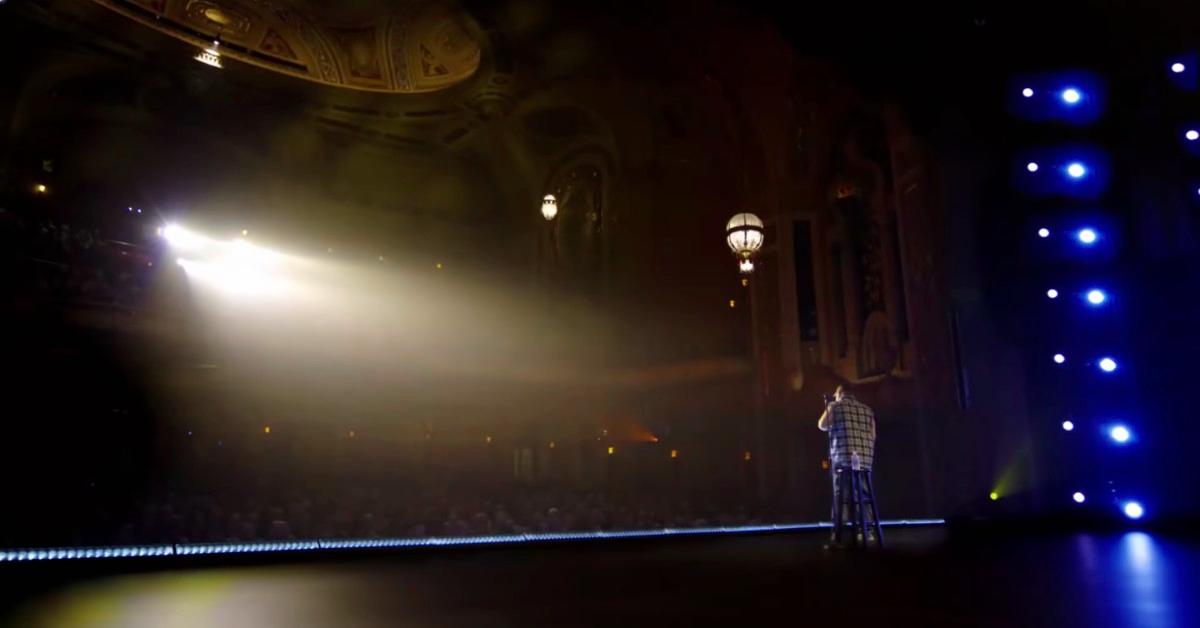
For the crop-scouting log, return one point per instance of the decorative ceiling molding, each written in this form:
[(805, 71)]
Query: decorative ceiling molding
[(425, 46)]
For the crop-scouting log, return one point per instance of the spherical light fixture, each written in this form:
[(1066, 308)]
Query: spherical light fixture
[(1076, 170), (1178, 67), (1043, 233), (1107, 365), (1059, 358), (1071, 96), (1120, 434), (744, 235), (1032, 166), (1052, 293), (1096, 296), (1192, 135), (1086, 235), (1133, 510), (1027, 92), (549, 207), (1068, 425)]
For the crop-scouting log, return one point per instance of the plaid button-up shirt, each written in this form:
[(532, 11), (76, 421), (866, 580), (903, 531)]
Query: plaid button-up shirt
[(851, 430)]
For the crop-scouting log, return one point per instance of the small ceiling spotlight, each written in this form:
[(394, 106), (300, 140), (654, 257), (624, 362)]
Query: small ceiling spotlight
[(211, 55)]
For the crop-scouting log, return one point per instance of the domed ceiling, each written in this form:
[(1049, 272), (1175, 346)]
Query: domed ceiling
[(400, 47)]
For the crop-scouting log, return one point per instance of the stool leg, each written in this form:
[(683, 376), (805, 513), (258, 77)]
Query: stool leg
[(860, 517), (874, 511), (838, 498)]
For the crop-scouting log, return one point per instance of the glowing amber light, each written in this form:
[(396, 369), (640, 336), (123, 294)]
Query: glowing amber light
[(266, 429), (488, 440), (40, 188), (612, 450), (551, 444), (438, 265), (732, 303), (674, 453), (549, 207), (351, 434), (746, 456)]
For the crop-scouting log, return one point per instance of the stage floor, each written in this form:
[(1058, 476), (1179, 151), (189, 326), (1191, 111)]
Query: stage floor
[(931, 576)]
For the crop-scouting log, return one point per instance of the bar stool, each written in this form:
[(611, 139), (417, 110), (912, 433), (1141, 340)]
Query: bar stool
[(855, 494)]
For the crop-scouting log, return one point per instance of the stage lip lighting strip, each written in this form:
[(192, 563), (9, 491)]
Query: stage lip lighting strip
[(280, 547)]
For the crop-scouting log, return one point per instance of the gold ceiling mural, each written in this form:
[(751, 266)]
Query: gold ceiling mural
[(411, 47)]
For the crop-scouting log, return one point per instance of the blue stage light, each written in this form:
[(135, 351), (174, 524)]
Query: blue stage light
[(1059, 358), (1076, 170), (1192, 135), (1079, 497), (1178, 67), (1133, 509), (1087, 235), (1071, 95), (1027, 92), (1031, 166), (1096, 296), (1068, 425), (1043, 233), (1120, 434), (1107, 365), (1052, 293)]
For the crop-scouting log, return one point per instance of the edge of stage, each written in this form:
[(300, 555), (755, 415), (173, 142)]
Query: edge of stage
[(325, 546)]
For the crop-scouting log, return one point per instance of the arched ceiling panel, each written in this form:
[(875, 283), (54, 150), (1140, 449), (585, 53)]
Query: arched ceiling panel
[(398, 47)]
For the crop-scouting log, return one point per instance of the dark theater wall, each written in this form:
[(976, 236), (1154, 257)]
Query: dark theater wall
[(651, 143)]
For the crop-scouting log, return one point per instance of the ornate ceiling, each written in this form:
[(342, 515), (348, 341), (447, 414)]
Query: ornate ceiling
[(399, 47)]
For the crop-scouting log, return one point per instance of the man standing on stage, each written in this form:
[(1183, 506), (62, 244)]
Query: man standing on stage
[(851, 427)]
